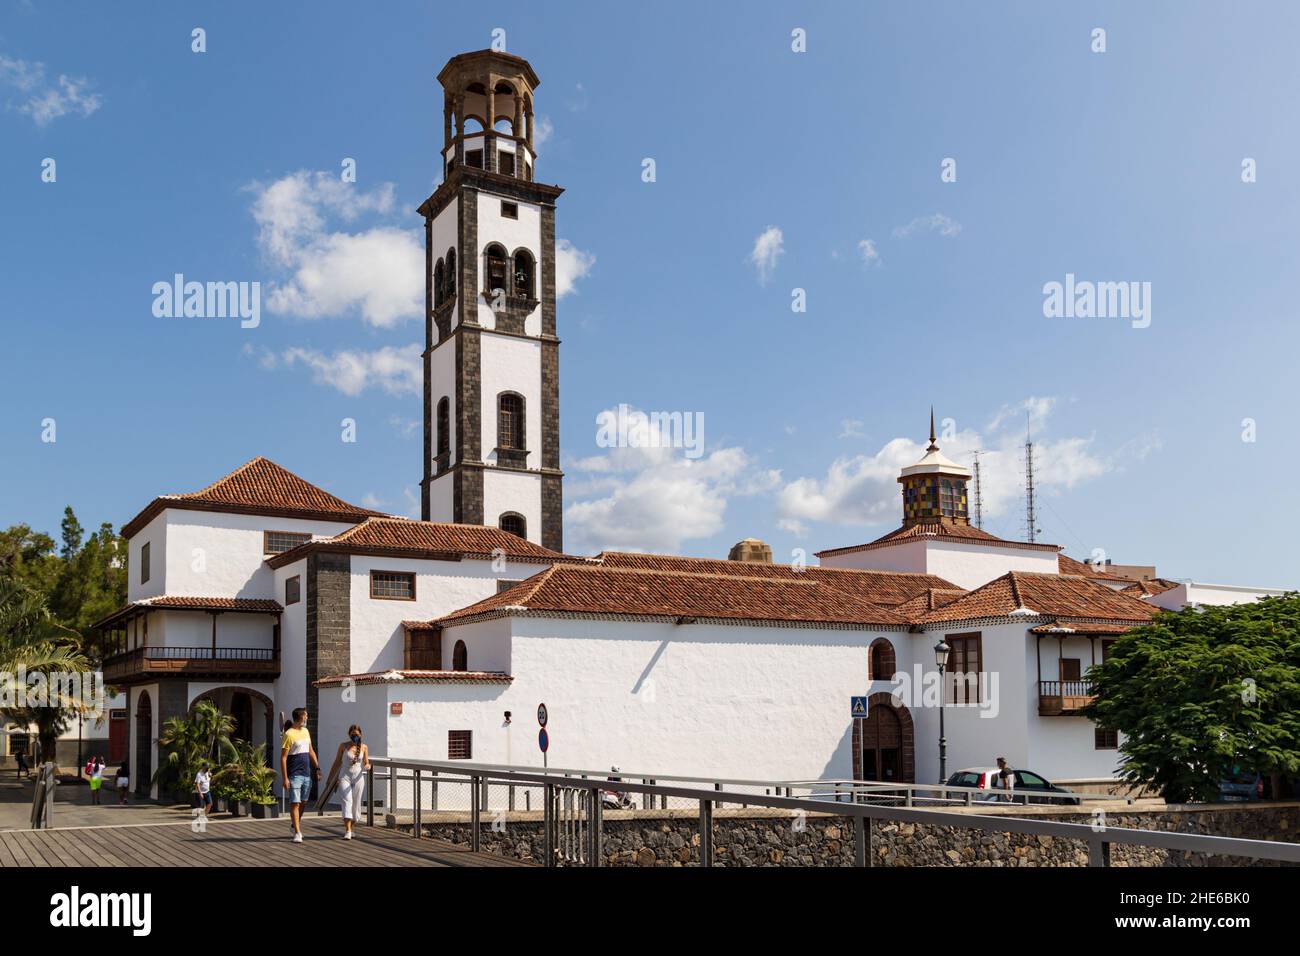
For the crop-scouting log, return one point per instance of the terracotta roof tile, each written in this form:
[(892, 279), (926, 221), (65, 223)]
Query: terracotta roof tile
[(184, 603), (1068, 565), (1083, 630), (883, 588), (1053, 595), (424, 539), (1149, 588), (587, 589), (938, 530), (258, 487), (418, 677), (928, 600)]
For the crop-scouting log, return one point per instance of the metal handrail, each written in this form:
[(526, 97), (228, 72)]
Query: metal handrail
[(1098, 839)]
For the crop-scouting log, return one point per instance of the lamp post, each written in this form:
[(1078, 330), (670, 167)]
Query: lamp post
[(941, 651)]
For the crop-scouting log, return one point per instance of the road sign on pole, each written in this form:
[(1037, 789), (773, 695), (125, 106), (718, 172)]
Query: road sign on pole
[(541, 715), (543, 740), (858, 707)]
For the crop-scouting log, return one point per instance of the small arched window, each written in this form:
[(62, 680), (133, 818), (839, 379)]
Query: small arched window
[(514, 523), (439, 284), (510, 421), (444, 426), (460, 657), (449, 292), (495, 273), (523, 274), (883, 663)]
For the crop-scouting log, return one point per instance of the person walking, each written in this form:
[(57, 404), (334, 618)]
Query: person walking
[(298, 767), (1006, 779), (354, 756), (123, 783), (203, 787), (22, 769)]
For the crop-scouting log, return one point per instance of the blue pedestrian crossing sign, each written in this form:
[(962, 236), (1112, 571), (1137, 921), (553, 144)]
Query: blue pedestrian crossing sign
[(858, 705)]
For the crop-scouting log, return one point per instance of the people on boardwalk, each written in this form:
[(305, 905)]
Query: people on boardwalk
[(123, 782), (298, 768), (203, 787), (351, 763)]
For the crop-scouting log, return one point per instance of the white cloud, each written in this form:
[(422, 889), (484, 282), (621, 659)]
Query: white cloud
[(768, 248), (376, 272), (943, 225), (870, 255), (542, 131), (863, 489), (571, 264), (654, 498), (851, 428), (46, 101), (395, 370)]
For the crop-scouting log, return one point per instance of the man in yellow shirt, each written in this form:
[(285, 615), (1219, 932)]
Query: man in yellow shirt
[(298, 764)]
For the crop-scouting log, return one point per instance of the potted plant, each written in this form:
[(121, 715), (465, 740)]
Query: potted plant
[(241, 803)]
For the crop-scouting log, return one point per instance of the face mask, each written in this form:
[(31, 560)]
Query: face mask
[(356, 738)]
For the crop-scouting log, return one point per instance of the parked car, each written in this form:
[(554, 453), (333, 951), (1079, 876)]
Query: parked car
[(1242, 784), (1039, 789)]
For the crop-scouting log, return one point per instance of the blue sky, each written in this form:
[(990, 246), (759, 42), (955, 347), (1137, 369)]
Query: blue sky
[(1115, 166)]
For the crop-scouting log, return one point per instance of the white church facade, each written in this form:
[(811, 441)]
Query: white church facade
[(441, 636)]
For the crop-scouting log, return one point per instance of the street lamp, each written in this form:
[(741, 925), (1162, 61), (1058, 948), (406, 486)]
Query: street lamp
[(941, 652)]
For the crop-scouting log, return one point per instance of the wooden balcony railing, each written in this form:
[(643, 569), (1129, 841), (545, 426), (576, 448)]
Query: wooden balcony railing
[(1063, 698), (162, 661)]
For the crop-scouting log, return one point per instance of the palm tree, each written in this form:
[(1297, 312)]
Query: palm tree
[(29, 646), (203, 734)]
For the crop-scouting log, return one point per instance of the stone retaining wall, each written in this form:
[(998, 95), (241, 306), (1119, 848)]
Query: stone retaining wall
[(757, 837)]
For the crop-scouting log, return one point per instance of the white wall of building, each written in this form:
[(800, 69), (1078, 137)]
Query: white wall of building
[(291, 687), (1190, 592), (737, 701), (153, 534), (514, 234), (217, 554), (967, 565)]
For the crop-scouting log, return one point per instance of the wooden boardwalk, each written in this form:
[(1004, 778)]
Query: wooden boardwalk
[(232, 843)]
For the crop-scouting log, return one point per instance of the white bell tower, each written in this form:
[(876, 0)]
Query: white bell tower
[(491, 359)]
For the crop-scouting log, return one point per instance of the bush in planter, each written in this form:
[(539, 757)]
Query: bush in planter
[(188, 741)]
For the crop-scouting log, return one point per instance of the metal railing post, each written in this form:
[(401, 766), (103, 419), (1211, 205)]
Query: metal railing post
[(433, 795), (706, 833), (548, 823), (474, 811), (415, 819), (1098, 853), (391, 814), (594, 821), (370, 796)]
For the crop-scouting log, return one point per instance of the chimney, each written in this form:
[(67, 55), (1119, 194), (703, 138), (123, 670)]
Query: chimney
[(751, 549)]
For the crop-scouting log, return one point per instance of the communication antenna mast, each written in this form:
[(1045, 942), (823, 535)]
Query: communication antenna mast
[(979, 494), (1031, 520)]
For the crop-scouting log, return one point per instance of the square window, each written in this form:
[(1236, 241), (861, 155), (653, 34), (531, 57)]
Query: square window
[(509, 210), (460, 744), (1105, 739)]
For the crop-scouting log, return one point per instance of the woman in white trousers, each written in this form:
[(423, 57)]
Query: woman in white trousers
[(352, 761)]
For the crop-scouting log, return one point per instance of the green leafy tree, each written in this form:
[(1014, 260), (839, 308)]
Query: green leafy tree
[(202, 734), (1200, 691), (72, 534)]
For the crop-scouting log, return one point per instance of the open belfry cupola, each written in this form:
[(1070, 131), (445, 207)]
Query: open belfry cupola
[(487, 113), (934, 489)]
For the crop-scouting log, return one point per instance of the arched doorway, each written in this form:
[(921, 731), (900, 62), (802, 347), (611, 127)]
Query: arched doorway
[(884, 745), (143, 769), (253, 713)]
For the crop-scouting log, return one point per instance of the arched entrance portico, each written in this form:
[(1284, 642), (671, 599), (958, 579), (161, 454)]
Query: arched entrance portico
[(142, 770), (252, 711), (884, 746)]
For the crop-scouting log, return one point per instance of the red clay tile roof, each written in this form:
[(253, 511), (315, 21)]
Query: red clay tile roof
[(589, 589), (1083, 630), (928, 600), (1149, 588), (882, 588), (1068, 565), (426, 540), (1056, 595), (936, 529), (180, 603), (418, 677), (258, 487)]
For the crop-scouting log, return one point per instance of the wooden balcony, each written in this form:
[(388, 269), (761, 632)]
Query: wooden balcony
[(1063, 698), (225, 663)]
